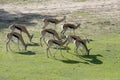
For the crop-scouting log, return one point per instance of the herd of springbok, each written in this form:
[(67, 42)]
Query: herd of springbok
[(56, 40)]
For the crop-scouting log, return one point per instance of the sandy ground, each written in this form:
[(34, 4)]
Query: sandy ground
[(55, 7)]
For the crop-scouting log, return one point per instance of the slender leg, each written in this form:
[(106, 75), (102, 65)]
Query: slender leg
[(76, 49), (61, 52), (41, 41), (47, 51), (50, 52), (18, 45), (82, 48), (45, 41), (56, 50), (10, 47), (42, 38), (7, 44), (31, 37), (67, 46)]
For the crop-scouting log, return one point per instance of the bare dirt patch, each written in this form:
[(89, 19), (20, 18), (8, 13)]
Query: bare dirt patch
[(25, 12), (63, 6)]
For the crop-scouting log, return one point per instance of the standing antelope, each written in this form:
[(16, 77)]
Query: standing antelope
[(48, 31), (54, 21), (56, 43), (69, 26), (10, 37), (73, 38), (21, 28)]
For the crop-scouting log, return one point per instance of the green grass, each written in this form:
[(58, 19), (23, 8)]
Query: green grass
[(102, 64), (33, 64)]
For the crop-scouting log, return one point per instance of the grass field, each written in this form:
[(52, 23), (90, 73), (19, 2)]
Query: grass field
[(103, 63)]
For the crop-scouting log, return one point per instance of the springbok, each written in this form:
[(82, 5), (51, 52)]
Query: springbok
[(21, 28), (54, 21), (46, 32), (73, 38), (79, 43), (56, 43), (12, 35), (67, 26)]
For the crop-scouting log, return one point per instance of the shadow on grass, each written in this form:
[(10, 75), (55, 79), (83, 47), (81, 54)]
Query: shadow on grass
[(68, 61), (108, 50), (62, 48), (92, 58), (33, 44), (6, 18), (27, 53)]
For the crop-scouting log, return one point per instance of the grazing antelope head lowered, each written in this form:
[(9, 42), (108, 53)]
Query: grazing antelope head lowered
[(46, 32), (21, 28), (19, 37), (57, 43), (78, 42)]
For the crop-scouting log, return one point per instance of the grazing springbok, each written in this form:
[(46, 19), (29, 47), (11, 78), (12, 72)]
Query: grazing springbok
[(12, 35), (56, 43), (73, 38), (54, 21), (46, 32), (67, 26), (79, 43), (21, 28)]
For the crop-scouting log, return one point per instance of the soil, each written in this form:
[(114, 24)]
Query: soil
[(56, 7)]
